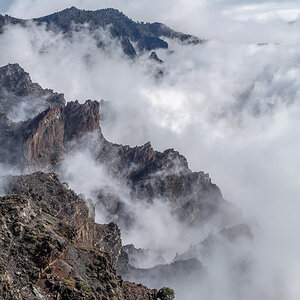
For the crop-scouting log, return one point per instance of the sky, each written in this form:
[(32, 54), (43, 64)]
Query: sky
[(230, 106)]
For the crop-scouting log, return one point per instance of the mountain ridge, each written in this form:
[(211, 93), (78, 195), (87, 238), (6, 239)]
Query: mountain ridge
[(147, 36)]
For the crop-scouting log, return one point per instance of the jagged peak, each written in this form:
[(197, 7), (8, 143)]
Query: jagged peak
[(148, 145), (11, 67), (73, 8), (13, 78), (153, 56)]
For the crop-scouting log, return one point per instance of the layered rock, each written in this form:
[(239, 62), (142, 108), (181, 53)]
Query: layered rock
[(51, 248)]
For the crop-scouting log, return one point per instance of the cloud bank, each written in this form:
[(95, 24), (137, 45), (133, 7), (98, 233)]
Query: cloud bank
[(230, 106)]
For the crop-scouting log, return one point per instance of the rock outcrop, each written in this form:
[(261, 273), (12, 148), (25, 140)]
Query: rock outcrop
[(20, 98), (42, 142), (52, 249), (150, 174), (153, 56), (39, 142)]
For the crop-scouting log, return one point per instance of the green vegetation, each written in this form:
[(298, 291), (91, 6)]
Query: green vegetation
[(87, 288), (69, 282), (97, 262), (166, 293)]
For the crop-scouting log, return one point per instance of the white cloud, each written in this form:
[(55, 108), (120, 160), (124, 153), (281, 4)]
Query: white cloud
[(231, 107)]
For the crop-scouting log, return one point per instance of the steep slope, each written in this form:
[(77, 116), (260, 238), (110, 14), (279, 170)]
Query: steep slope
[(145, 35), (161, 30), (52, 249), (151, 175)]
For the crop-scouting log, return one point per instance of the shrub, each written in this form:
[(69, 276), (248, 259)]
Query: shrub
[(166, 293)]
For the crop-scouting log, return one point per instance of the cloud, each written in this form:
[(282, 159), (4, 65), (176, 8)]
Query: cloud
[(231, 107), (247, 20)]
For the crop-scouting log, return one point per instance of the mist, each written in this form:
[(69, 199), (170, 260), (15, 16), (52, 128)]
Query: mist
[(230, 106)]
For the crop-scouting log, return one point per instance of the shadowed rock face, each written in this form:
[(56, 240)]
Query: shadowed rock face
[(18, 92), (44, 141), (151, 174), (52, 249)]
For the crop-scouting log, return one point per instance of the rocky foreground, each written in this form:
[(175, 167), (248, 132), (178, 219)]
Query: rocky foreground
[(52, 249)]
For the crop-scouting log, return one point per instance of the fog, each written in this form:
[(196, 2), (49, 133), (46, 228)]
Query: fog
[(230, 106)]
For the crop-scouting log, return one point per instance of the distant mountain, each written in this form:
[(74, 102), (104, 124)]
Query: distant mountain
[(146, 36)]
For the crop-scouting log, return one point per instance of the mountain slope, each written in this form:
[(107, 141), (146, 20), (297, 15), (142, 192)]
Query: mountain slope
[(52, 249), (146, 36)]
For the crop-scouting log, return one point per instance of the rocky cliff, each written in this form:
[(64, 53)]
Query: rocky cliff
[(40, 142), (52, 249)]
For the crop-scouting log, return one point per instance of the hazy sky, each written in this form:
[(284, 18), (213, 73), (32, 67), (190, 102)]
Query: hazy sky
[(142, 9)]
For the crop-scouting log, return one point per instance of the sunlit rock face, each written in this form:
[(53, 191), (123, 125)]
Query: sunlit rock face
[(41, 140)]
